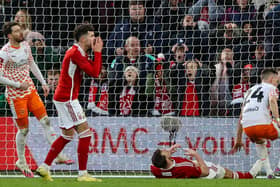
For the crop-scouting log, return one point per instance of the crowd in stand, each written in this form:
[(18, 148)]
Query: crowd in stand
[(170, 57)]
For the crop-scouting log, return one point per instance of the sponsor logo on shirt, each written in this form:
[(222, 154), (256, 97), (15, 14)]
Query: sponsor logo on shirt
[(166, 174)]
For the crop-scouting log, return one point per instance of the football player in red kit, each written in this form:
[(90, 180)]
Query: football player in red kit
[(71, 115), (166, 166)]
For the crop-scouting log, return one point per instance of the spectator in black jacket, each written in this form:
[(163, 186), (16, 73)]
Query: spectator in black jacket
[(195, 39), (225, 36), (132, 57), (138, 25), (169, 15), (258, 63), (52, 81)]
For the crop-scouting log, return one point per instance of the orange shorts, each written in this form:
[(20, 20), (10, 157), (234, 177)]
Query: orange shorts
[(259, 132), (29, 103)]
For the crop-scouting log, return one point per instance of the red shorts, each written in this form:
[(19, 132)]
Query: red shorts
[(258, 132), (29, 103)]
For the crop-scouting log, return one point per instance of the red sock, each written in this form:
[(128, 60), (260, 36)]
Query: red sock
[(56, 148), (246, 175), (83, 149)]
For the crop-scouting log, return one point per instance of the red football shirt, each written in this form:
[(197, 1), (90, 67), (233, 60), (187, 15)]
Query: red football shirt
[(75, 62), (181, 168)]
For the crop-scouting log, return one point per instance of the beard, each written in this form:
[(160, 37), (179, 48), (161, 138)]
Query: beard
[(19, 39)]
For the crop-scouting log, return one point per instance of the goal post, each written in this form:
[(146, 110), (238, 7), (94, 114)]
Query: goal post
[(173, 71)]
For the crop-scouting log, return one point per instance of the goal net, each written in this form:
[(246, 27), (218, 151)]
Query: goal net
[(190, 59)]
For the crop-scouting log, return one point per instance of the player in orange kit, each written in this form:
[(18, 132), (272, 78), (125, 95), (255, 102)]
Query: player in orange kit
[(259, 117), (16, 61)]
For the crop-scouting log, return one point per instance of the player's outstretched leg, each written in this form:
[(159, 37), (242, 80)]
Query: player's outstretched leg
[(51, 137), (56, 148), (229, 174), (20, 143), (256, 168)]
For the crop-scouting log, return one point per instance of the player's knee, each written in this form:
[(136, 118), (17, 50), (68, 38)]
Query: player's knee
[(24, 131), (220, 172), (45, 121), (67, 137), (22, 123), (85, 133), (258, 141)]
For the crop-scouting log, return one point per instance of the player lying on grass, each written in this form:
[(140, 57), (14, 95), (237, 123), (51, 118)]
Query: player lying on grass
[(166, 166)]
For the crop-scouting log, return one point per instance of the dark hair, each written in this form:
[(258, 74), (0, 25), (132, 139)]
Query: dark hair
[(53, 71), (82, 30), (7, 28), (267, 72), (136, 2), (159, 160)]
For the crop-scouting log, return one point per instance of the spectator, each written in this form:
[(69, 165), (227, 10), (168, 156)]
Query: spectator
[(98, 94), (178, 80), (247, 33), (188, 89), (207, 13), (4, 106), (169, 15), (247, 43), (45, 57), (263, 7), (227, 73), (190, 104), (163, 104), (259, 63), (226, 36), (259, 3), (52, 81), (24, 19), (138, 25), (239, 90), (242, 11), (132, 57), (272, 32), (129, 95), (195, 39), (180, 51)]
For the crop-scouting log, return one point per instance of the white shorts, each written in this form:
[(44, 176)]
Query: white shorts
[(70, 113), (215, 171)]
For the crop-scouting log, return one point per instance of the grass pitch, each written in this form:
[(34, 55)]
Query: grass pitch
[(134, 182)]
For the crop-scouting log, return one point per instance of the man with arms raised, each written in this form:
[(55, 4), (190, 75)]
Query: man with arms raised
[(166, 166)]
